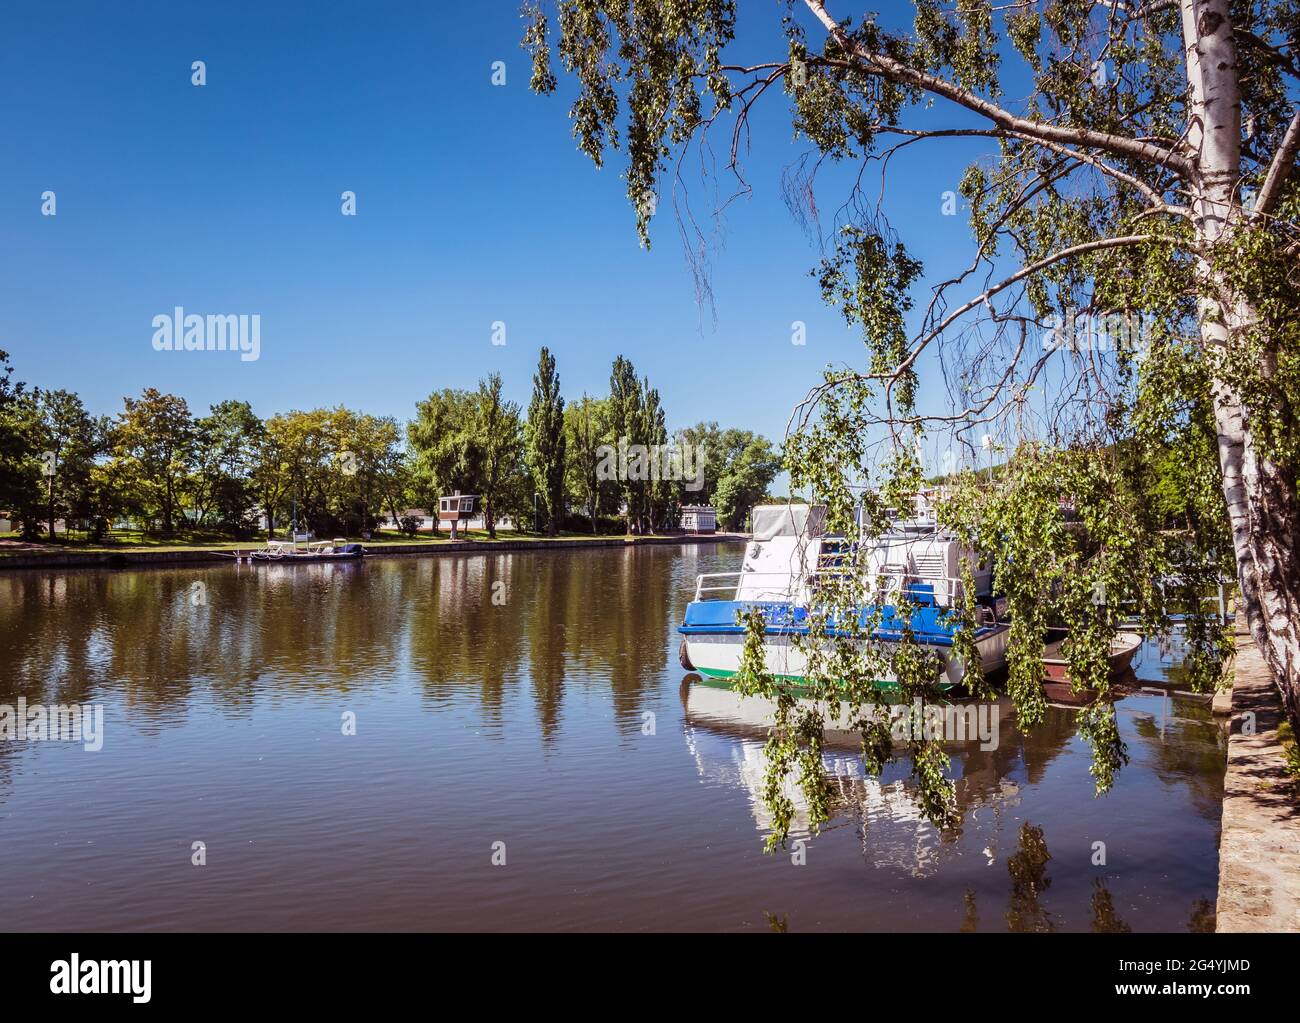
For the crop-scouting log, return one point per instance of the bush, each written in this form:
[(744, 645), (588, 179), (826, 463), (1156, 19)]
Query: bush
[(605, 525), (243, 528)]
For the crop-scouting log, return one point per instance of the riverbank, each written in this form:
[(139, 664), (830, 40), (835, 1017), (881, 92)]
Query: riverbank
[(1259, 850), (139, 557)]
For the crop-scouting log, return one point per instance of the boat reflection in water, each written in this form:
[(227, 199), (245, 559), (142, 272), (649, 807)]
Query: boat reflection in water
[(1011, 796), (726, 733)]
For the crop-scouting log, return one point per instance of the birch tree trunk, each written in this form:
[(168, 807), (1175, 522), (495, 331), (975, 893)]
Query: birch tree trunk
[(1262, 508), (1259, 493)]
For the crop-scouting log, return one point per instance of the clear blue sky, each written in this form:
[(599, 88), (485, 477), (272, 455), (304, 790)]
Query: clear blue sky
[(473, 206)]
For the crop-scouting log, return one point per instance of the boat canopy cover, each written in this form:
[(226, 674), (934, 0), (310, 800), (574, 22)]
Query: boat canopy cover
[(773, 520)]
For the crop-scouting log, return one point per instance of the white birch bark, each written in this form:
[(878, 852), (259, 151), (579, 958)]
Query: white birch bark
[(1260, 495)]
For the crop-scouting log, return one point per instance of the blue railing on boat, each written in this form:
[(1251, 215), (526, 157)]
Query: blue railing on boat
[(928, 623)]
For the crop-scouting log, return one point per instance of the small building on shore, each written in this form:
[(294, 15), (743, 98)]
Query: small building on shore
[(455, 512), (699, 518), (456, 508)]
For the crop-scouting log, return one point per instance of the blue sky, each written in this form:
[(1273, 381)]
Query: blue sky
[(474, 206)]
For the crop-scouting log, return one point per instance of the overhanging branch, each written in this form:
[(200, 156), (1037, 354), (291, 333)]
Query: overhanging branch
[(895, 70), (1280, 168), (1025, 271)]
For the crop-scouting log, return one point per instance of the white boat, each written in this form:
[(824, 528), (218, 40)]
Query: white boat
[(791, 555), (302, 548)]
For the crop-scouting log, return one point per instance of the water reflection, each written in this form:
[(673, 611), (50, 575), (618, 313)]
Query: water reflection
[(1029, 882), (1175, 744), (507, 696), (484, 625), (886, 814)]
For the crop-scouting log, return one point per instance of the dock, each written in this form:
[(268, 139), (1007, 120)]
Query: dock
[(1259, 847)]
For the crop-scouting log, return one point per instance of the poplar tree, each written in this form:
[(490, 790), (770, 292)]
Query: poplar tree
[(546, 439), (626, 416)]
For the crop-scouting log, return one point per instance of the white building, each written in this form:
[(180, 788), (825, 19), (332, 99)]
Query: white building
[(699, 518)]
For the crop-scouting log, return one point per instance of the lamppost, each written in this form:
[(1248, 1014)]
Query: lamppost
[(987, 443), (537, 528)]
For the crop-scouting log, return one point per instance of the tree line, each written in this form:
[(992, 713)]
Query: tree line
[(598, 464)]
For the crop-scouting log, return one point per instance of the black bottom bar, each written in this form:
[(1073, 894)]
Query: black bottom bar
[(335, 972)]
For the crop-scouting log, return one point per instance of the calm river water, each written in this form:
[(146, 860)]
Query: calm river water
[(531, 700)]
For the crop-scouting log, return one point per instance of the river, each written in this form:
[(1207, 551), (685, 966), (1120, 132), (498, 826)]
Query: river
[(506, 741)]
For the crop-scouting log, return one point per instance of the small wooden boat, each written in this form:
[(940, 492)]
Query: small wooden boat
[(1056, 675)]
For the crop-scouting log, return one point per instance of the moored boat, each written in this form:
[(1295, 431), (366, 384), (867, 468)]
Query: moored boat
[(787, 560), (1056, 667), (298, 550)]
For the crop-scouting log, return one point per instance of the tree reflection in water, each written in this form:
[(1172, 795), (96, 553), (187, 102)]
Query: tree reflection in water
[(510, 689)]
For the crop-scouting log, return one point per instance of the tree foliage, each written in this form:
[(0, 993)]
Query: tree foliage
[(1125, 323), (498, 432), (20, 467), (152, 450), (334, 471), (546, 439), (587, 430), (739, 467)]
